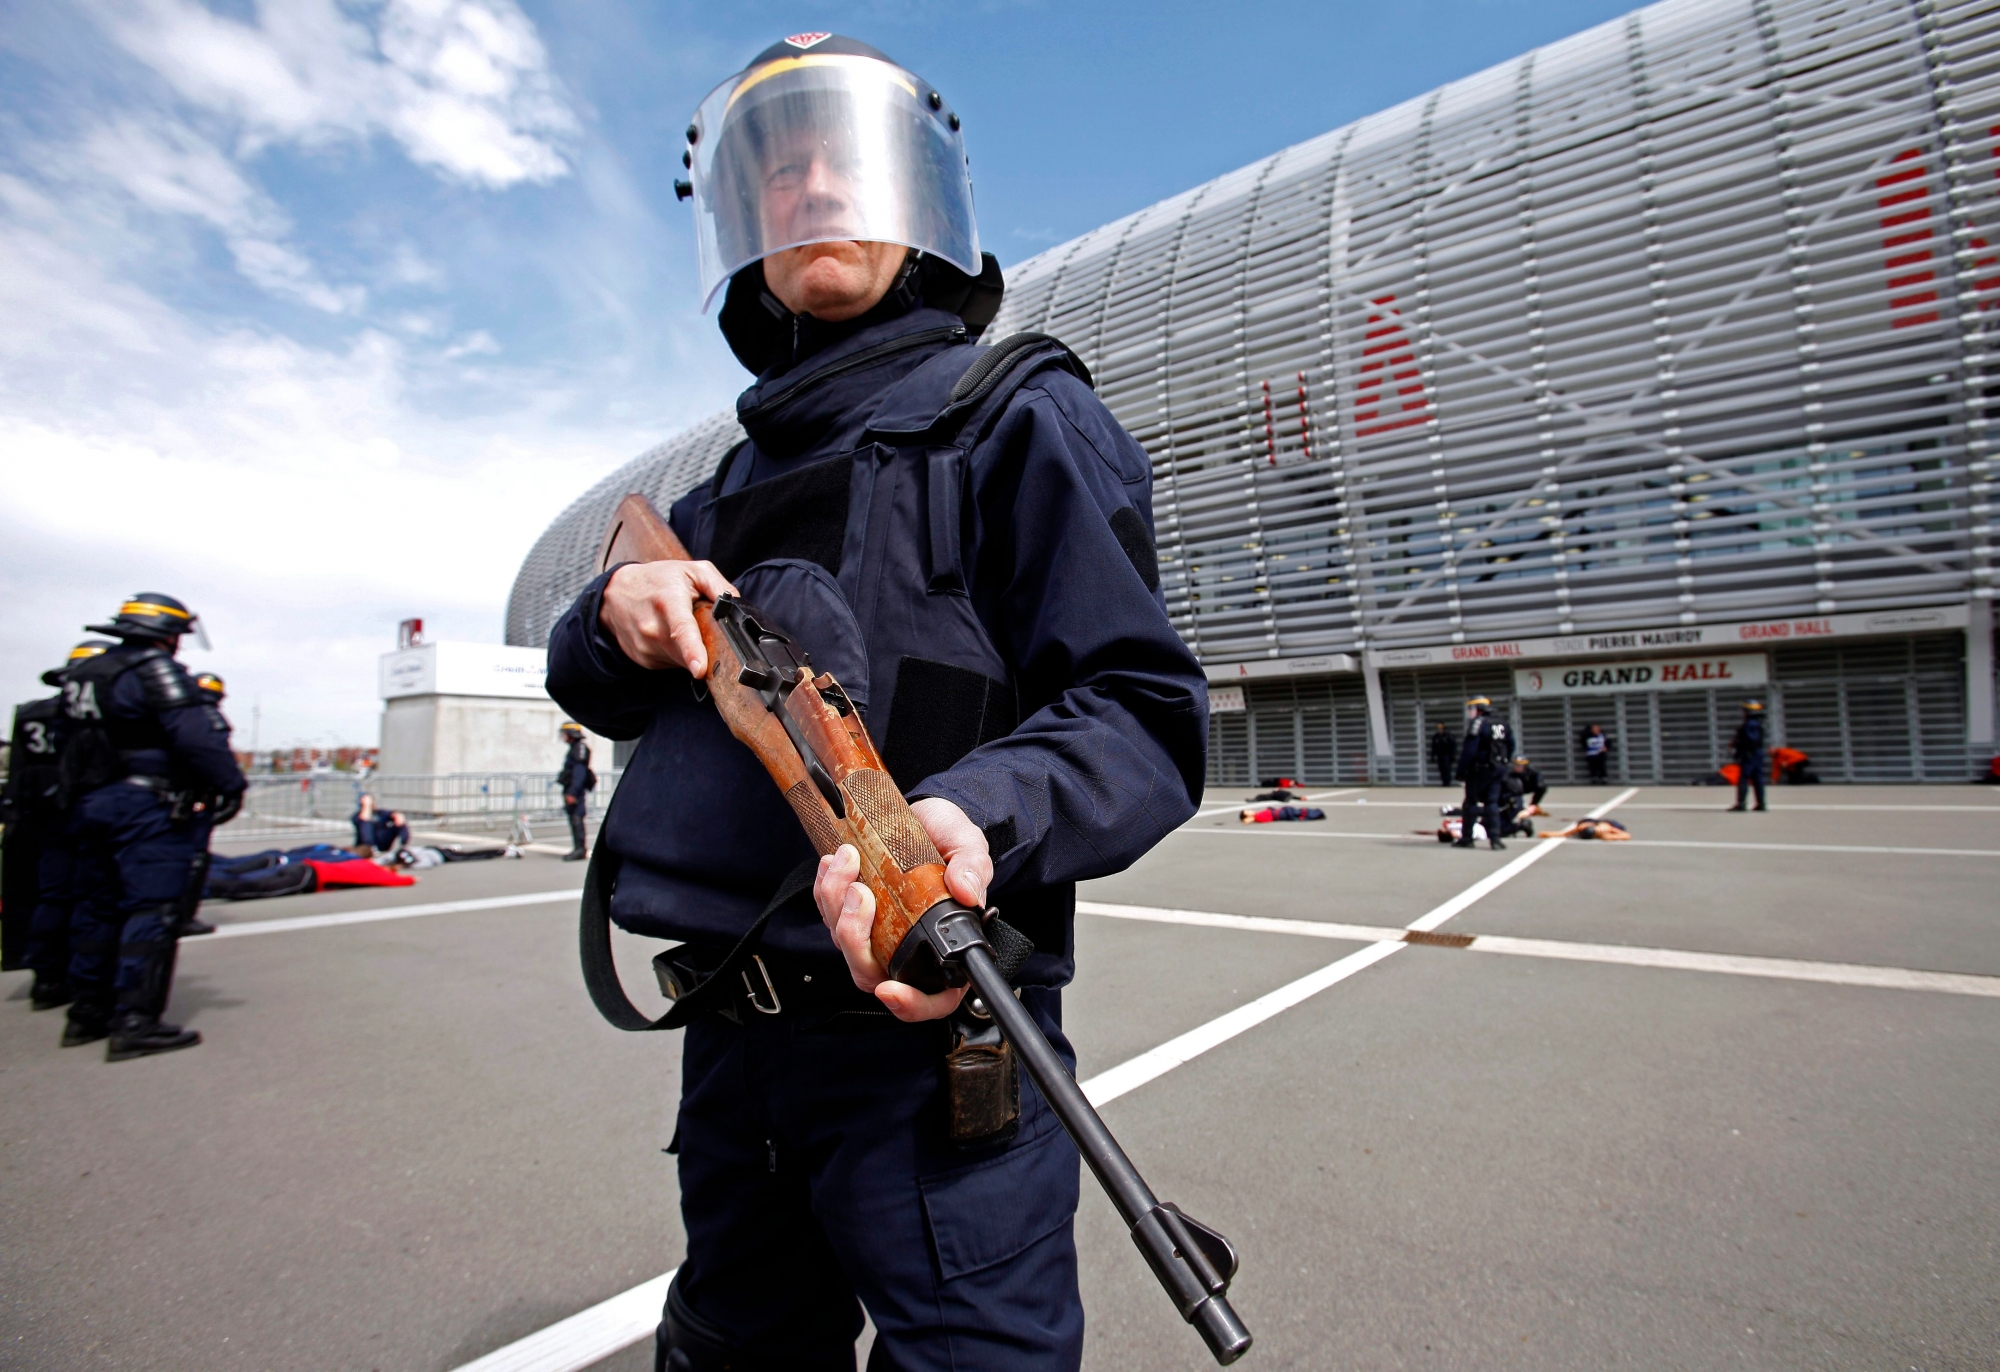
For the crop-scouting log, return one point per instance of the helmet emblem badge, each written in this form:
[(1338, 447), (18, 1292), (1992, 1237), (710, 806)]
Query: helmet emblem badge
[(807, 40)]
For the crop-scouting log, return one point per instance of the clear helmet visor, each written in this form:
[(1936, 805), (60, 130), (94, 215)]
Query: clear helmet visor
[(826, 147)]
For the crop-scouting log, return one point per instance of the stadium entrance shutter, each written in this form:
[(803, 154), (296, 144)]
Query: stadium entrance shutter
[(1315, 731), (1879, 710)]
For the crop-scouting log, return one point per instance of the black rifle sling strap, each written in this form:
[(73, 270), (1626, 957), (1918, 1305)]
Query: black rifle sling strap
[(600, 973)]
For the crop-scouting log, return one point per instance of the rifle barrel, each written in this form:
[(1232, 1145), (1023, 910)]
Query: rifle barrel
[(1183, 1270)]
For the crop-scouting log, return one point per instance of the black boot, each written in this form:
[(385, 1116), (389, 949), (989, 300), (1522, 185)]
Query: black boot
[(1467, 842), (194, 927), (86, 1023), (48, 993), (575, 855), (137, 1035), (1496, 845)]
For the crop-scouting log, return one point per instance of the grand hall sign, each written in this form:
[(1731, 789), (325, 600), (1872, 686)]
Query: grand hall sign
[(1658, 674)]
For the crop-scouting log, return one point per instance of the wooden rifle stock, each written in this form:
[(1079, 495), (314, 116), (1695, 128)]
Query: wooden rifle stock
[(807, 734)]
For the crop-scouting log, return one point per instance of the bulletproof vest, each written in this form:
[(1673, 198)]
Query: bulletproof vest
[(35, 766), (103, 740), (892, 524), (868, 556)]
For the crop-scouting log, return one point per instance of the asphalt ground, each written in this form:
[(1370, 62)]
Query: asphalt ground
[(409, 1143)]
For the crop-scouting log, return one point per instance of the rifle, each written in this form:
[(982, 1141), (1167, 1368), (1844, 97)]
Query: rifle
[(811, 740)]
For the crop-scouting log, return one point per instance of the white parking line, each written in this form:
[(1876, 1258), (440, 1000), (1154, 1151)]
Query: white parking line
[(586, 1337), (1780, 805), (1109, 1085), (1273, 831), (377, 913), (1627, 955)]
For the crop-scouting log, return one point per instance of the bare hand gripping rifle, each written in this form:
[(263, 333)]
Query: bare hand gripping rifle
[(811, 740)]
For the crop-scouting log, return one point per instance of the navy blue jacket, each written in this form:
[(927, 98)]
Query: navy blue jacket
[(575, 776), (34, 763), (1474, 760), (1748, 743), (1109, 753), (158, 721)]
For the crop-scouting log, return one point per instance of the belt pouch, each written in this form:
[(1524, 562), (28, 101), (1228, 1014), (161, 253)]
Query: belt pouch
[(982, 1083)]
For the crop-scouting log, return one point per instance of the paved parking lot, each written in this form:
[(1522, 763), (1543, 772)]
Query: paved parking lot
[(1724, 1096)]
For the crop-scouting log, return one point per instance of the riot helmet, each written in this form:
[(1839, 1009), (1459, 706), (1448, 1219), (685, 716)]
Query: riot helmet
[(1479, 705), (151, 616), (210, 685), (82, 652), (824, 139)]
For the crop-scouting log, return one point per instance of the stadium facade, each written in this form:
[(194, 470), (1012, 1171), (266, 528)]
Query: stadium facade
[(1622, 382)]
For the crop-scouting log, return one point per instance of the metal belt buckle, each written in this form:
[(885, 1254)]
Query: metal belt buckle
[(770, 991)]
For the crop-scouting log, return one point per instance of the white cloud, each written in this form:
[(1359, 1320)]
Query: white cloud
[(477, 342), (169, 168), (303, 493), (301, 497), (462, 85)]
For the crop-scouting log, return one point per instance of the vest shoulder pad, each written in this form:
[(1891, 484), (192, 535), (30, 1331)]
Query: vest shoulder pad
[(935, 403), (167, 684)]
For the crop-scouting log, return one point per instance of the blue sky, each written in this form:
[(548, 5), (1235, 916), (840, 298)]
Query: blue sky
[(319, 310)]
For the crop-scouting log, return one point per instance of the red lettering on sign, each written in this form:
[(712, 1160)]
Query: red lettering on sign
[(1813, 626)]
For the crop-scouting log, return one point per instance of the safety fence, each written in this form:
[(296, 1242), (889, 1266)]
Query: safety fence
[(319, 805)]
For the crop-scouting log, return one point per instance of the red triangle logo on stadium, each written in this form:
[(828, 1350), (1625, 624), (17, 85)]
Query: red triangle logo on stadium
[(807, 40)]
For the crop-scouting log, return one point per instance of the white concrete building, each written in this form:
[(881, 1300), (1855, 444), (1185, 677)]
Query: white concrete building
[(454, 708)]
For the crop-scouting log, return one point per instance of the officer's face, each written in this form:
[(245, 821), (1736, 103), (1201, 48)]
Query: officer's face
[(808, 190)]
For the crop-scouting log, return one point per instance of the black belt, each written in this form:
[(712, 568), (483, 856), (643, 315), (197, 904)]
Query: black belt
[(152, 783), (767, 987)]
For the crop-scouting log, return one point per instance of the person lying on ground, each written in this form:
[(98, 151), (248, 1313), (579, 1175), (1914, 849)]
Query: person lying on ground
[(1279, 814)]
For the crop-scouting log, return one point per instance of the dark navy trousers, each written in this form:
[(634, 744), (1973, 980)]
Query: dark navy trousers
[(1482, 793), (48, 928), (815, 1169), (132, 864), (1751, 771)]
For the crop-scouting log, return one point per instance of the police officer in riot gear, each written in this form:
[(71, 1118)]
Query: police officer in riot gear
[(964, 539), (39, 861), (576, 781), (1747, 747), (204, 819), (1483, 759), (145, 746)]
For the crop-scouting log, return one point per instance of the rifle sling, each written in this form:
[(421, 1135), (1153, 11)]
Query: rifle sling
[(600, 973)]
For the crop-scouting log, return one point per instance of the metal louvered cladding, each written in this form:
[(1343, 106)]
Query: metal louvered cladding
[(1684, 321), (1680, 320), (564, 558)]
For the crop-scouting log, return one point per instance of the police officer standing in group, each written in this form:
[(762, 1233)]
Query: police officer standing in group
[(204, 820), (1444, 752), (1747, 748), (40, 875), (576, 781), (964, 540), (145, 746), (1483, 759)]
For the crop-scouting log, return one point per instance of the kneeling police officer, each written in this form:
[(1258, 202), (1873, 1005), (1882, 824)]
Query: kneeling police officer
[(145, 746), (964, 539)]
